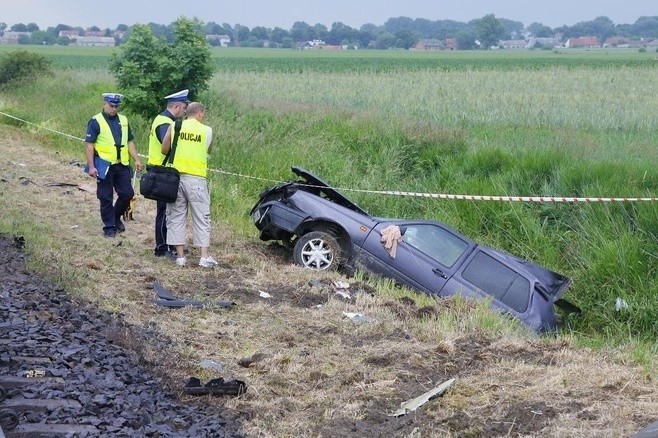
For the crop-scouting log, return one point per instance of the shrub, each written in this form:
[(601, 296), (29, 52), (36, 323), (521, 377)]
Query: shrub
[(22, 66), (147, 68)]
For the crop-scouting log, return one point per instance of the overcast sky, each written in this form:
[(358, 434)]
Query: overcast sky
[(283, 13)]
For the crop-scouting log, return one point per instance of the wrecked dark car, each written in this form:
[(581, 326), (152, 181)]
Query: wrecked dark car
[(325, 230)]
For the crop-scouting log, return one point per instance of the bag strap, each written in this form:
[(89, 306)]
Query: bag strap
[(172, 152)]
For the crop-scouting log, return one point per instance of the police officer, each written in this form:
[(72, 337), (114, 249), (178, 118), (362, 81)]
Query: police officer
[(109, 146), (191, 160), (176, 104)]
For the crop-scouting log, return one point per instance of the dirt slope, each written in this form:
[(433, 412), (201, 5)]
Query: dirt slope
[(316, 373)]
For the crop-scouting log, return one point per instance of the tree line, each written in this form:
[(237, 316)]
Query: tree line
[(399, 32)]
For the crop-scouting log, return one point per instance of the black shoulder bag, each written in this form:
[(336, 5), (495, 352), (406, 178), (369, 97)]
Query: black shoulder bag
[(160, 183)]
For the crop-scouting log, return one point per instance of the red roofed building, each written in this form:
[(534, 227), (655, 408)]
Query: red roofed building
[(588, 42)]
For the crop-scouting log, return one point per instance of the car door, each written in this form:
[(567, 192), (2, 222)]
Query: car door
[(425, 259)]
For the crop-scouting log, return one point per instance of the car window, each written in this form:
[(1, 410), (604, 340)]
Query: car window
[(498, 280), (436, 242)]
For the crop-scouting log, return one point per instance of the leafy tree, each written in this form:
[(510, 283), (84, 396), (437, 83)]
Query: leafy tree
[(300, 31), (3, 26), (646, 27), (393, 25), (340, 32), (147, 68), (60, 27), (19, 27), (385, 40), (540, 31), (228, 30), (32, 27), (260, 33), (513, 29), (489, 31), (160, 30), (278, 35), (213, 28), (319, 32), (466, 39), (287, 43), (41, 37), (404, 39), (369, 28), (241, 33), (21, 66)]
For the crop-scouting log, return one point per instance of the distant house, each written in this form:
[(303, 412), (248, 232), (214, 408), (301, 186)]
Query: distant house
[(543, 42), (451, 44), (219, 40), (429, 44), (11, 37), (71, 34), (616, 41), (94, 33), (582, 42), (512, 44), (651, 45), (95, 41)]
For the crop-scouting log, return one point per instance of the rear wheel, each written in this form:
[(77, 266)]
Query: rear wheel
[(317, 250)]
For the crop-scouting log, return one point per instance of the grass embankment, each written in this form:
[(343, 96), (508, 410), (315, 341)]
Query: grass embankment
[(496, 132), (394, 131)]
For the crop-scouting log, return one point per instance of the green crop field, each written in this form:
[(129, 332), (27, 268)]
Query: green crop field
[(532, 123)]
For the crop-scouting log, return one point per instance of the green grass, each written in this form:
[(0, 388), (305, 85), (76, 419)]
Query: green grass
[(515, 124), (294, 61)]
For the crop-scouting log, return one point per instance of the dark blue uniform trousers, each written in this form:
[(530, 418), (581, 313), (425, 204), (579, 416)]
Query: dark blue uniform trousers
[(161, 246), (118, 179)]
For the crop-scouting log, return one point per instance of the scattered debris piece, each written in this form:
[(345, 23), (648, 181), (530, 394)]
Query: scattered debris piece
[(246, 362), (651, 431), (315, 283), (341, 284), (211, 365), (344, 295), (620, 304), (95, 265), (415, 403), (33, 374), (358, 318), (264, 294), (87, 188), (217, 386), (60, 184), (168, 300)]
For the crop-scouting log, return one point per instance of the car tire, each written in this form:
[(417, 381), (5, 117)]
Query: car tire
[(317, 250)]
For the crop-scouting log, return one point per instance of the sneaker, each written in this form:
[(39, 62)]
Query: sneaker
[(110, 233), (181, 261), (208, 262), (119, 226)]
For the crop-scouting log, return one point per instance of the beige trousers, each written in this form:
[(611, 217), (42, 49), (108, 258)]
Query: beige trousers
[(193, 197)]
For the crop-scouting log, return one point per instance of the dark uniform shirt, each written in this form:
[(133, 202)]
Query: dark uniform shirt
[(161, 130), (94, 129)]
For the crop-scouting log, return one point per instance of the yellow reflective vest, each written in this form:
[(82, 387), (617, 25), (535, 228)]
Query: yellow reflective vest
[(104, 145), (155, 147), (191, 155)]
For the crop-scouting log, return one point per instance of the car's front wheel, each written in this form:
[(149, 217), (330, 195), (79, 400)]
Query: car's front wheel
[(317, 250)]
